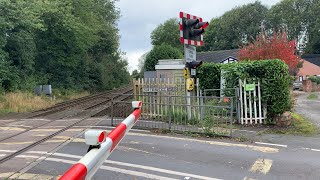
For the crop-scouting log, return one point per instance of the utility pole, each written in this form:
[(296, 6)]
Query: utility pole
[(191, 35)]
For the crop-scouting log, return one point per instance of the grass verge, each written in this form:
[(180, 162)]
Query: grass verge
[(312, 96), (299, 126), (25, 102)]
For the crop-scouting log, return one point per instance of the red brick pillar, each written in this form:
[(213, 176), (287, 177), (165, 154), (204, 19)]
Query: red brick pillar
[(307, 85)]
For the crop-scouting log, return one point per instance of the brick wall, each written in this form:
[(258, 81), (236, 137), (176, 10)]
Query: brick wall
[(309, 86)]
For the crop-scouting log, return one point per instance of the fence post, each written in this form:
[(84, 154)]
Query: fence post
[(111, 110), (170, 109), (231, 117), (201, 106)]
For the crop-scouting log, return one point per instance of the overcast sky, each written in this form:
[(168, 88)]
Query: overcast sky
[(140, 17)]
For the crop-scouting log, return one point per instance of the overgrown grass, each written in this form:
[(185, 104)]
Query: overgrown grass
[(312, 96), (299, 126), (26, 102)]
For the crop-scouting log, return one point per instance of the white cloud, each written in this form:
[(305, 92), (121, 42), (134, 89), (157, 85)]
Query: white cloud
[(132, 57)]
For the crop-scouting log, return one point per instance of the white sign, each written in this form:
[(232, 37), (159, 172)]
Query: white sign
[(193, 72), (157, 89), (190, 53)]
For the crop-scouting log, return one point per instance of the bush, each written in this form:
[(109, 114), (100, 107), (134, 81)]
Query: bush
[(315, 79), (272, 74), (209, 75)]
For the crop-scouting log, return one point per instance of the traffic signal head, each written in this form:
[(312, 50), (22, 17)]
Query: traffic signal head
[(191, 29), (190, 84), (194, 64), (186, 73)]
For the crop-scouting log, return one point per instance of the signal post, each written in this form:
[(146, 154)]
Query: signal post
[(191, 35)]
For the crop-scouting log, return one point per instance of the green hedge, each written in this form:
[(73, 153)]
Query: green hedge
[(209, 75), (273, 75), (315, 79)]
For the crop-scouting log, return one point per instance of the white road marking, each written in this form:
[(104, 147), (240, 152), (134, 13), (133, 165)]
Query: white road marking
[(115, 163), (246, 178), (279, 145), (124, 171), (318, 150), (11, 129), (218, 143), (262, 166)]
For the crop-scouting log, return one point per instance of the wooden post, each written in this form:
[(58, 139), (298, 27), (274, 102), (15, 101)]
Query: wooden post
[(255, 103), (250, 107), (259, 97), (245, 103), (241, 101)]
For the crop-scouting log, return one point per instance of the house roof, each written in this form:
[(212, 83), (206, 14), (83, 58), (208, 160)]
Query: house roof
[(309, 69), (217, 56), (312, 58)]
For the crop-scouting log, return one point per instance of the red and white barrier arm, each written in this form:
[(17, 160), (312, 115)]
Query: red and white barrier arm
[(102, 147)]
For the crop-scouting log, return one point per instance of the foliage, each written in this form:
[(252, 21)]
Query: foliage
[(71, 44), (26, 101), (163, 51), (273, 75), (298, 17), (274, 78), (275, 47), (315, 79), (235, 27), (209, 75), (312, 96), (286, 15), (135, 74), (167, 33), (300, 126)]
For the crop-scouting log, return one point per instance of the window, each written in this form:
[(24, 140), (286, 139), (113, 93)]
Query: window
[(300, 78)]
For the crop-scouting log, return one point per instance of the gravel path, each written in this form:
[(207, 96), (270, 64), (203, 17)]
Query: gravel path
[(308, 108)]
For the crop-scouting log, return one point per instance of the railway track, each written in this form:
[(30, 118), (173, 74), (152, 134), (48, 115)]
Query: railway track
[(89, 114), (83, 101)]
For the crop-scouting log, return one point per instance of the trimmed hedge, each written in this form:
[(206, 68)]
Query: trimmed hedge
[(273, 75), (209, 75), (315, 79)]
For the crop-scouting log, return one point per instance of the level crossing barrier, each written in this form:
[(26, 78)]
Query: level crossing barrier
[(101, 146)]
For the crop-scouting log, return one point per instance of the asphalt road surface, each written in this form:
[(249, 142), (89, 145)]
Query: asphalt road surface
[(143, 155)]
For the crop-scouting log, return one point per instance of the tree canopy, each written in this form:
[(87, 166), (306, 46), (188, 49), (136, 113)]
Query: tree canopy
[(276, 46), (167, 33), (234, 28), (163, 51), (72, 44), (240, 26)]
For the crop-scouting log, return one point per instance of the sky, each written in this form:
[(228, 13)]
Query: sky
[(140, 17)]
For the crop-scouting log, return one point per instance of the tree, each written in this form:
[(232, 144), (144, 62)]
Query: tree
[(300, 18), (74, 44), (135, 74), (163, 51), (291, 16), (235, 28), (167, 33), (313, 45), (277, 46)]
